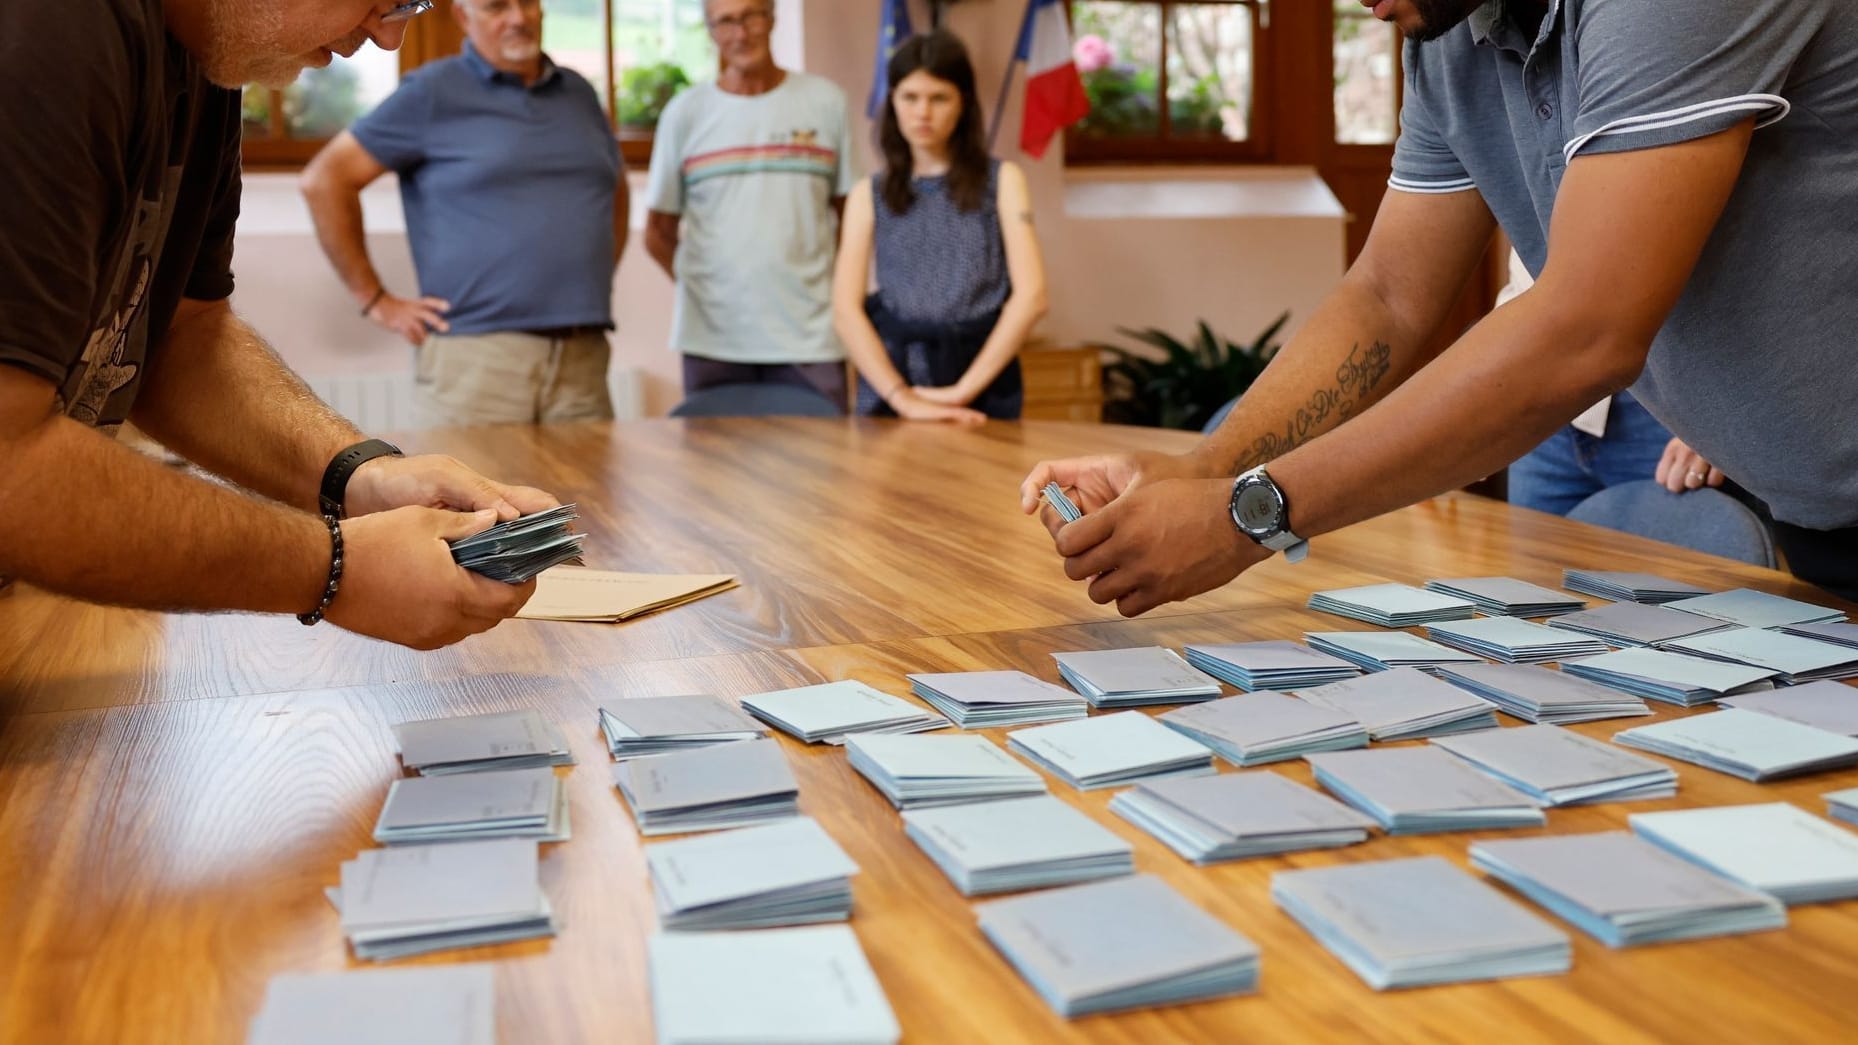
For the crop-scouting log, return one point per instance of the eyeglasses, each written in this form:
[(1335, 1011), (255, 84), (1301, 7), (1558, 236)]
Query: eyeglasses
[(403, 12), (748, 21)]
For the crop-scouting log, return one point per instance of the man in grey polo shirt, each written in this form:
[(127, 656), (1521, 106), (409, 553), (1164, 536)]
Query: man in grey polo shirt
[(516, 207), (1678, 174)]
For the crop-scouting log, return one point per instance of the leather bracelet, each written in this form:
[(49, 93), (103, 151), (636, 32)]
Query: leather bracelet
[(333, 495), (894, 389), (335, 574), (373, 301)]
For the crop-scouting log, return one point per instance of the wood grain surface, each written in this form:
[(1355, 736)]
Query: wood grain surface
[(175, 791)]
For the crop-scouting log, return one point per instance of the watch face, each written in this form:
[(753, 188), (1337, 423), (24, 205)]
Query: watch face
[(1258, 509)]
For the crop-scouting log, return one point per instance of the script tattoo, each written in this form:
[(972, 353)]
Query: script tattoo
[(1355, 378)]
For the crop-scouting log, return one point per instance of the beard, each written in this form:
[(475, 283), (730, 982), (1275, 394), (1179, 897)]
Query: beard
[(1438, 17), (519, 47)]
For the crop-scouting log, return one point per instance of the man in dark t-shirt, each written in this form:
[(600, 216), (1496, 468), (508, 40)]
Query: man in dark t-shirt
[(118, 200)]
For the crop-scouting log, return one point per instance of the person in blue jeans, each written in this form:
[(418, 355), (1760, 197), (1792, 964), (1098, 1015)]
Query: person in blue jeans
[(1573, 465)]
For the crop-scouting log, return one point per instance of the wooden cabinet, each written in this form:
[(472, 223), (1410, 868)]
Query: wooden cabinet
[(1062, 384)]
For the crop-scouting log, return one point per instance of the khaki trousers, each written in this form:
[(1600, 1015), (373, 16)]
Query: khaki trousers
[(508, 378)]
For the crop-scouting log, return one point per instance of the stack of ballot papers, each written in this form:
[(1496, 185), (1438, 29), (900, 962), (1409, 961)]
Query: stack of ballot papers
[(517, 550), (785, 873), (1055, 496), (1625, 586), (1779, 849), (1513, 641), (1112, 750), (660, 725), (1124, 678), (1747, 744), (1125, 944), (1796, 659), (1634, 624), (1748, 608), (1381, 650), (1538, 694), (1507, 596), (1831, 706), (439, 1005), (980, 699), (831, 711), (1420, 790), (470, 743), (1403, 704), (1623, 890), (1274, 664), (1257, 728), (1559, 767), (421, 898), (1238, 815), (1670, 678), (1843, 805), (1844, 633), (1018, 843), (576, 593), (514, 803), (729, 785), (1419, 922), (805, 986), (915, 772), (1392, 605)]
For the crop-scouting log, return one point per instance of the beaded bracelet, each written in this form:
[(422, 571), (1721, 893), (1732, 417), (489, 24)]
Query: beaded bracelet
[(335, 573)]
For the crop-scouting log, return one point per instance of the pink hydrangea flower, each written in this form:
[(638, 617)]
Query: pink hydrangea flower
[(1092, 52)]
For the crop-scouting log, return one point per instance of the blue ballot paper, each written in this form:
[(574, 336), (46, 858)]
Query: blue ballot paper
[(1538, 694), (1797, 659), (1112, 749), (1507, 596), (1018, 843), (1275, 664), (1559, 767), (1780, 849), (1382, 650), (806, 986), (1746, 744), (1419, 790), (1757, 609), (1513, 641), (1392, 605), (1671, 678)]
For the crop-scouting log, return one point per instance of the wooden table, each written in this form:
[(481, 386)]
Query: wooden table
[(175, 791)]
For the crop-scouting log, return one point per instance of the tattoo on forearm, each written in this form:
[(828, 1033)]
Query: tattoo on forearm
[(1355, 378)]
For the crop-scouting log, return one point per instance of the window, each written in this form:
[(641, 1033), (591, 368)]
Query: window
[(636, 53), (1168, 80), (1367, 77), (286, 127)]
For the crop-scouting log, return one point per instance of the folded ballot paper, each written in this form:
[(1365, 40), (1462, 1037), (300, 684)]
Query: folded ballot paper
[(1634, 624), (1757, 609), (512, 803), (831, 711), (786, 873), (980, 699), (1255, 728), (515, 551), (1111, 750), (1392, 605), (1055, 496), (576, 593), (1624, 891), (1843, 805), (1419, 922), (1670, 678), (1513, 641), (1403, 704), (1559, 767), (1796, 659), (416, 899), (1746, 744), (1625, 586), (660, 725), (1844, 633), (1507, 596), (729, 785), (1123, 678), (1018, 843), (1275, 664), (1420, 790), (1779, 849), (1831, 706), (918, 771), (1234, 816), (437, 1005), (1537, 694), (471, 743), (1130, 943), (806, 986), (1381, 650)]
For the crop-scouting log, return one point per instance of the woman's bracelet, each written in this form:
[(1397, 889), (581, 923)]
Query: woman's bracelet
[(894, 389), (335, 573)]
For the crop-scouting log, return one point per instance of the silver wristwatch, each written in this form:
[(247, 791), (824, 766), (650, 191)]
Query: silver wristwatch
[(1260, 512)]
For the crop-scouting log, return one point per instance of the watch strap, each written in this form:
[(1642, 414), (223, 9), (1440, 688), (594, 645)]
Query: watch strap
[(333, 497)]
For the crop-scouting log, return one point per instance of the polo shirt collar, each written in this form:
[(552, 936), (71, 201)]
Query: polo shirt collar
[(1489, 27), (491, 74)]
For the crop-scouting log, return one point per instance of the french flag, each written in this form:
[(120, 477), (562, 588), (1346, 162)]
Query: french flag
[(1054, 91)]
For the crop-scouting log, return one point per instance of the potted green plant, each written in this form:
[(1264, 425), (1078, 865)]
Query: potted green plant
[(1180, 384)]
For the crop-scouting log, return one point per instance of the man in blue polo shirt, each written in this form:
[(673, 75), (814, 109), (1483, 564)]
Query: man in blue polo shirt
[(516, 206), (1679, 176)]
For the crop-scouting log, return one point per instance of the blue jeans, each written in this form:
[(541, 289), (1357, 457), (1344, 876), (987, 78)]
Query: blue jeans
[(1571, 465)]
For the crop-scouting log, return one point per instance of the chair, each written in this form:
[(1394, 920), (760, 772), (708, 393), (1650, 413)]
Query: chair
[(1705, 520), (760, 400), (1219, 416)]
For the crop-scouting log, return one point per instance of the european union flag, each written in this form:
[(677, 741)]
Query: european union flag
[(895, 29)]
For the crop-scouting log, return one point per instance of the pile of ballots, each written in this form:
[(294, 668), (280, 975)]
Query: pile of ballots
[(832, 711), (1123, 678), (1019, 843), (472, 743), (1054, 495), (1234, 816), (918, 771), (806, 984), (726, 785), (785, 873), (661, 725), (516, 803), (1514, 641), (1538, 694), (1559, 767), (1746, 744), (1625, 586), (514, 552), (454, 1004), (1273, 664), (1256, 728), (1392, 605), (417, 899), (980, 699), (1671, 678), (1507, 596), (1418, 790)]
